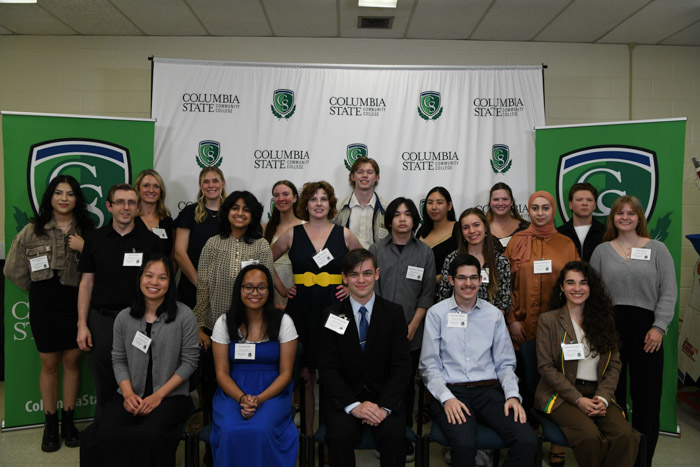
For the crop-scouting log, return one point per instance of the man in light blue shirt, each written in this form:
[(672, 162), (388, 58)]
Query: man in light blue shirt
[(468, 365)]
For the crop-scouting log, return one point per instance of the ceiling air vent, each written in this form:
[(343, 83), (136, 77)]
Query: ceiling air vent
[(374, 22)]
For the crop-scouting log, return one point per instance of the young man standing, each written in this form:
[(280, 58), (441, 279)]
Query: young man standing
[(363, 211), (110, 262), (468, 365), (363, 364), (582, 229), (407, 268)]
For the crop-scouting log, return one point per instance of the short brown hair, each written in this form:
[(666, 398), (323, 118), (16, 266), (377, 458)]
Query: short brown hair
[(582, 187), (120, 186), (610, 229), (308, 190), (356, 166), (355, 257)]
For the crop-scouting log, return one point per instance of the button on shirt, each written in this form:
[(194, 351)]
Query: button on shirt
[(361, 219), (481, 351)]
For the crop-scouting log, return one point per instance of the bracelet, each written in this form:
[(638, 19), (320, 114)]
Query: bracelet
[(241, 398)]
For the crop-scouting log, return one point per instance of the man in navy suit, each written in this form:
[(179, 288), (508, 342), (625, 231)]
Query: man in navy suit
[(364, 364)]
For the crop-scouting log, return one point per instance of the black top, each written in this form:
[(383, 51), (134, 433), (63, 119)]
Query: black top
[(166, 224), (199, 232), (593, 238), (103, 255)]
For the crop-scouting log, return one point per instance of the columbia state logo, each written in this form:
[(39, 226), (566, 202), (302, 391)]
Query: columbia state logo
[(429, 105), (500, 159), (354, 152), (283, 105), (209, 154)]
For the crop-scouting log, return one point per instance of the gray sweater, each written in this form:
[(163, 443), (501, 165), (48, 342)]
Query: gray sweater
[(175, 348), (645, 284)]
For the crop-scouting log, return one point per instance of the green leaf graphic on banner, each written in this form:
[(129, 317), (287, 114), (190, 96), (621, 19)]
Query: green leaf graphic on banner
[(660, 230)]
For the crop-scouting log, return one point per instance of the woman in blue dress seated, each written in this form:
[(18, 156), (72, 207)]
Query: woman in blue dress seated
[(254, 348)]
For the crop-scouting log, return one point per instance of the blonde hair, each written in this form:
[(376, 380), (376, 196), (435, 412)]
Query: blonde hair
[(162, 210), (611, 232), (200, 212)]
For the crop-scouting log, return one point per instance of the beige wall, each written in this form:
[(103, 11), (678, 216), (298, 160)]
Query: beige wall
[(583, 82)]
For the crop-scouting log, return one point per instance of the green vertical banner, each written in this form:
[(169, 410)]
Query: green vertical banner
[(98, 152), (639, 158)]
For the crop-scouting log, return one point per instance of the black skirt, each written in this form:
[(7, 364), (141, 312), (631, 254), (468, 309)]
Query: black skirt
[(53, 315)]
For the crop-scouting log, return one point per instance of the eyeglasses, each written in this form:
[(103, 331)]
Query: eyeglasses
[(261, 289), (121, 202), (461, 278)]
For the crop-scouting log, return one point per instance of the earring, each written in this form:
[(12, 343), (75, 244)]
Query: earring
[(561, 295)]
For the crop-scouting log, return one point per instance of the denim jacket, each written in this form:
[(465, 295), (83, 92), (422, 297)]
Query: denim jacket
[(27, 245)]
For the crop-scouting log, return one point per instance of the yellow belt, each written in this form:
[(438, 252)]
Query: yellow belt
[(323, 279)]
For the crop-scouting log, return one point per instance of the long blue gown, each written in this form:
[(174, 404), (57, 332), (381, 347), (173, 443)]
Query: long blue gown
[(269, 438)]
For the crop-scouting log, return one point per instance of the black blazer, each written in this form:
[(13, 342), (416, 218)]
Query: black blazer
[(384, 366), (593, 239)]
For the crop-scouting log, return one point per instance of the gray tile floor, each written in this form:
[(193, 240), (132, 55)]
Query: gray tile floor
[(22, 448)]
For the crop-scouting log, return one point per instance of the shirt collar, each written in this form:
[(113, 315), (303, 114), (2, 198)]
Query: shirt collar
[(356, 306), (452, 305), (353, 201)]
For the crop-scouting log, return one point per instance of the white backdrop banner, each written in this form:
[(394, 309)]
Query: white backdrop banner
[(464, 128)]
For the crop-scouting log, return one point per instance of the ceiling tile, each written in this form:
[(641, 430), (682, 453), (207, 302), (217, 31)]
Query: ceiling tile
[(349, 12), (688, 36), (303, 18), (161, 17), (516, 20), (93, 17), (241, 18), (31, 19), (446, 19)]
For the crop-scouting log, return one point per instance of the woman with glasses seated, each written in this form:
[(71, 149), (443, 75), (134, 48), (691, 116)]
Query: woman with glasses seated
[(254, 347), (578, 358)]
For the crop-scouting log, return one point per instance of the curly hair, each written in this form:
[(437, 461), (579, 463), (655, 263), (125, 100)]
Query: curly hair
[(513, 207), (598, 311), (254, 229), (488, 248), (162, 210), (308, 190), (81, 215)]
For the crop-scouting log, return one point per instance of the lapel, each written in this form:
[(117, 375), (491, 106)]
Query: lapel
[(352, 336), (570, 366), (373, 324)]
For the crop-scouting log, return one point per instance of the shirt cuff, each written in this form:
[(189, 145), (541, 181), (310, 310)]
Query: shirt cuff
[(605, 401), (348, 408), (388, 411)]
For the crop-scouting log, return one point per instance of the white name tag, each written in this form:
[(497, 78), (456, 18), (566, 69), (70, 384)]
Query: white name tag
[(39, 264), (249, 262), (543, 266), (337, 324), (133, 259), (457, 320), (244, 352), (160, 232), (415, 273), (485, 276), (641, 253), (504, 241), (573, 351), (323, 257), (141, 341)]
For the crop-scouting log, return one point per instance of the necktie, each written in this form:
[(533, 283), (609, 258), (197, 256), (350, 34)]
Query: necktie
[(364, 326)]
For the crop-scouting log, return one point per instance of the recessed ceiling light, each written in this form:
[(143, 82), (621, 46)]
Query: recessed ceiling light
[(377, 3), (17, 1)]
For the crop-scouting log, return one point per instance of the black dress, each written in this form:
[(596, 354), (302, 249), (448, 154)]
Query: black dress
[(53, 315), (166, 224)]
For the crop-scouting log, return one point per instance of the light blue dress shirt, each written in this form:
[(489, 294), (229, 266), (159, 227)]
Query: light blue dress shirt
[(481, 351)]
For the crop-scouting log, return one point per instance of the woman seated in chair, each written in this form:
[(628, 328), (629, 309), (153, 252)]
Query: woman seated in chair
[(254, 348), (154, 352), (579, 363)]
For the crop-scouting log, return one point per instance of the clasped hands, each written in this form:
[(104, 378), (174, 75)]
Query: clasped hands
[(249, 404), (592, 407), (135, 405), (370, 413)]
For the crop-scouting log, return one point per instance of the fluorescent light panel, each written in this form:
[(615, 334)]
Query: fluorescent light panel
[(17, 1), (377, 3)]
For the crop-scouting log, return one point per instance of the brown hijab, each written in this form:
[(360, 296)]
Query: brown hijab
[(523, 239)]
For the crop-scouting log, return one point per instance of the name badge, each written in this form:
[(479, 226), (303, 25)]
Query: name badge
[(504, 241), (244, 352), (39, 264), (160, 232), (641, 253), (337, 324), (141, 341), (457, 320), (323, 257), (485, 275), (133, 259), (573, 351), (543, 266), (249, 262), (415, 273)]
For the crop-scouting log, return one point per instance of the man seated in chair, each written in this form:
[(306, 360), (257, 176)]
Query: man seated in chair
[(468, 365), (364, 364)]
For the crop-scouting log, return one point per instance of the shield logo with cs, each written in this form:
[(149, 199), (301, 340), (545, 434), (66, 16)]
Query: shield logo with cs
[(500, 158), (614, 171), (354, 151), (430, 107), (97, 165), (283, 103)]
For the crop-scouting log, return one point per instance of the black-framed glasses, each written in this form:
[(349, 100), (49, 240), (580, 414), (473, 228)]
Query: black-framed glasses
[(248, 289)]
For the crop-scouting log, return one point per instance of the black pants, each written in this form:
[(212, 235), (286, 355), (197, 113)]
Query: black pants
[(99, 359), (410, 394), (486, 406), (645, 372)]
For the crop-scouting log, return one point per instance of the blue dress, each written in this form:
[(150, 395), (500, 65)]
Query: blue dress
[(269, 438)]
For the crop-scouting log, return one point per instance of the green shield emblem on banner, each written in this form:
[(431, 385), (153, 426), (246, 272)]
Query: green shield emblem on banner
[(97, 165), (209, 154), (614, 171), (283, 105), (354, 151), (429, 105), (500, 158)]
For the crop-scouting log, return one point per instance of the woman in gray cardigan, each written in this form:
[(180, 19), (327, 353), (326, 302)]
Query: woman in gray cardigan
[(154, 352)]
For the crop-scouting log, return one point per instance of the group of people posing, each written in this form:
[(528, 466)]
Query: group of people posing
[(360, 293)]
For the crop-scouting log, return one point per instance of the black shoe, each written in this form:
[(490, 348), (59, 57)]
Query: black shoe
[(69, 432), (50, 442), (410, 453)]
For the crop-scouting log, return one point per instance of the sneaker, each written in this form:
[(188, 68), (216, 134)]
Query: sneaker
[(410, 453)]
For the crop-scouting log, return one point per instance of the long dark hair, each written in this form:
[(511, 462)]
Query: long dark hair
[(236, 317), (514, 213), (274, 221), (428, 225), (81, 216), (598, 311), (254, 229), (169, 305), (488, 248)]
